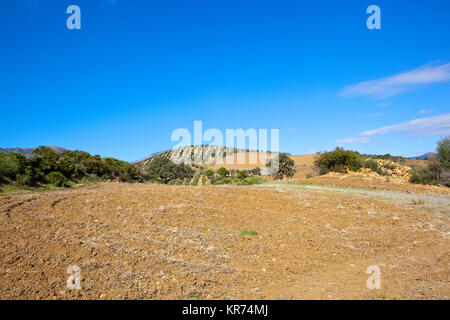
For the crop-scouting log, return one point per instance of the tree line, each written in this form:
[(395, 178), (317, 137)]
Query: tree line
[(60, 168)]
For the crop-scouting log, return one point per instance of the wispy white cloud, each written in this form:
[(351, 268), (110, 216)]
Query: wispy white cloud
[(424, 127), (353, 140), (425, 111), (387, 87)]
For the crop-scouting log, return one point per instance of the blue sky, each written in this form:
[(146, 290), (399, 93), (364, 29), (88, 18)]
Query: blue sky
[(137, 70)]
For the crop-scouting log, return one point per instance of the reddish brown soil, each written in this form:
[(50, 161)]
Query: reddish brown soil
[(176, 242)]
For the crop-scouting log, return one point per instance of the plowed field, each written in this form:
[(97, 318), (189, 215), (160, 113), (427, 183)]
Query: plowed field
[(143, 241)]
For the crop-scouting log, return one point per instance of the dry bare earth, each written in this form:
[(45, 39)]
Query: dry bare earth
[(175, 242), (249, 163)]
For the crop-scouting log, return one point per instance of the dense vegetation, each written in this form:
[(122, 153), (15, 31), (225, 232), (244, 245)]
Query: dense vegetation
[(239, 177), (438, 170), (48, 168), (339, 160), (286, 167), (164, 170), (386, 156), (62, 169)]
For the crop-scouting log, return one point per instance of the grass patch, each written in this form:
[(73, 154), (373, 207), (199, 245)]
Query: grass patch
[(299, 183), (195, 295), (9, 188), (248, 233)]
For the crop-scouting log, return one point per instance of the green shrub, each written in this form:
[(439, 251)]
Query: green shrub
[(222, 172), (242, 174), (209, 173), (236, 181), (122, 171), (255, 171), (389, 166), (163, 170), (30, 177), (339, 159), (443, 153), (423, 175), (371, 164), (323, 171), (47, 159), (286, 167), (12, 164), (25, 180), (56, 178), (309, 175), (250, 180), (340, 168), (355, 163), (225, 180), (92, 178)]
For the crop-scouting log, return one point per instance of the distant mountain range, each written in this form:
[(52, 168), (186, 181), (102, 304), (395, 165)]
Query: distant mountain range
[(28, 152), (151, 156), (424, 156)]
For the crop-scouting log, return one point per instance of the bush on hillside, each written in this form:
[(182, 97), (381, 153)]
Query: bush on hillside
[(92, 178), (56, 178), (255, 171), (438, 170), (355, 163), (73, 165), (163, 170), (443, 153), (12, 164), (242, 174), (121, 170), (286, 167), (339, 159), (30, 177), (209, 173), (371, 164), (423, 175), (223, 172)]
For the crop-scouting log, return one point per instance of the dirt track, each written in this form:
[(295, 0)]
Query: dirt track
[(178, 242)]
